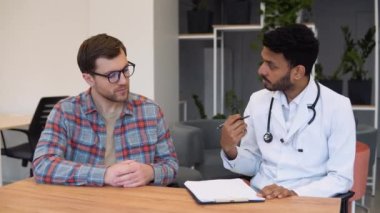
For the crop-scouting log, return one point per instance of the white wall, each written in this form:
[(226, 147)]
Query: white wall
[(39, 40), (166, 58), (132, 22)]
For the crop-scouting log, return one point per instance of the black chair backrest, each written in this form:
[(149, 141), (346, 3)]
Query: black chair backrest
[(44, 107)]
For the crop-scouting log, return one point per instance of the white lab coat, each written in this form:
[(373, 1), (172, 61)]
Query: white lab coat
[(325, 165)]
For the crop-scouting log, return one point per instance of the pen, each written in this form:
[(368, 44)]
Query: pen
[(241, 118)]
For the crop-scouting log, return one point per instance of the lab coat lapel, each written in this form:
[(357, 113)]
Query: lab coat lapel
[(303, 115), (277, 113), (300, 120)]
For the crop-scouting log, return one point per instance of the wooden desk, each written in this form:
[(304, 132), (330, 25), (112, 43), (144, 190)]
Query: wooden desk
[(27, 196), (10, 121)]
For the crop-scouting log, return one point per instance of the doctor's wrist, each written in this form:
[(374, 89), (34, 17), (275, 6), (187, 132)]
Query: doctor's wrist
[(230, 152)]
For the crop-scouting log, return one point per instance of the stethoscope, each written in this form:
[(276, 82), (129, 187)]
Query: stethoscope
[(268, 137)]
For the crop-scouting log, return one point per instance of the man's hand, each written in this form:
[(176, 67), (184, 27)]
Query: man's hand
[(129, 173), (233, 130), (275, 191)]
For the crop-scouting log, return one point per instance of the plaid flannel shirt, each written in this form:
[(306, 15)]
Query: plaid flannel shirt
[(71, 148)]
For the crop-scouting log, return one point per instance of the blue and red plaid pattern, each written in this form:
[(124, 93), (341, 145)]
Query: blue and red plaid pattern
[(72, 145)]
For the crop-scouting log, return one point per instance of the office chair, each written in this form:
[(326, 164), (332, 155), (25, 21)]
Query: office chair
[(358, 190), (187, 143), (344, 203), (211, 165), (361, 166), (25, 150), (368, 135)]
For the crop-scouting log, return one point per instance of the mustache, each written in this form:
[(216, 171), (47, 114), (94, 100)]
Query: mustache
[(263, 77), (122, 88)]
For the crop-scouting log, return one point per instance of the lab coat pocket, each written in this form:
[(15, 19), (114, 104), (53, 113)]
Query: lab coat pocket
[(311, 150)]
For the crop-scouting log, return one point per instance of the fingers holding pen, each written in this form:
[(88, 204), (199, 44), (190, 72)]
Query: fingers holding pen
[(236, 126), (233, 130), (233, 127), (232, 118)]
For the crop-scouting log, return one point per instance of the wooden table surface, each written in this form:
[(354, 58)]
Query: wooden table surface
[(11, 120), (27, 196)]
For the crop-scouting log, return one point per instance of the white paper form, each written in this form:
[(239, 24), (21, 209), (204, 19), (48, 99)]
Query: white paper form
[(222, 190)]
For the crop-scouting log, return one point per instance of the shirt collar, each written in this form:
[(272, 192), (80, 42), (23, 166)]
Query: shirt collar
[(90, 107), (280, 95)]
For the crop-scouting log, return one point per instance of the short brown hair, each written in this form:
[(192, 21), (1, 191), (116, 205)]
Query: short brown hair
[(98, 46)]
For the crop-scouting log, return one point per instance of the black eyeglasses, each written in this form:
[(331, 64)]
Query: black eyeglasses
[(114, 76)]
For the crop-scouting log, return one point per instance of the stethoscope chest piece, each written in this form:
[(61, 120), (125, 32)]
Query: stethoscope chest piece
[(268, 137)]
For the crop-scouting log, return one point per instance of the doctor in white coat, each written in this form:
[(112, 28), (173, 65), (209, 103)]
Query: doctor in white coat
[(299, 138)]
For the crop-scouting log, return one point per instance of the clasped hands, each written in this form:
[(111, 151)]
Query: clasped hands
[(129, 173)]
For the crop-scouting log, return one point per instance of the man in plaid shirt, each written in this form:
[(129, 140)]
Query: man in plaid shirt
[(105, 135)]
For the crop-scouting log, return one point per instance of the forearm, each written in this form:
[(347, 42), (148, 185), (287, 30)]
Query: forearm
[(55, 170), (326, 187), (230, 153), (239, 164), (165, 172), (165, 164)]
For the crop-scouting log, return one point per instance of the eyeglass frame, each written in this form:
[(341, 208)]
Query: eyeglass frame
[(108, 76)]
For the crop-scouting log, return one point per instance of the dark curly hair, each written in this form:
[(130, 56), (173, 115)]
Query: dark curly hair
[(296, 42), (98, 46)]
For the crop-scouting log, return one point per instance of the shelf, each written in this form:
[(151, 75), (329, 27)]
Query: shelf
[(196, 36), (364, 107), (210, 36), (217, 37), (248, 27)]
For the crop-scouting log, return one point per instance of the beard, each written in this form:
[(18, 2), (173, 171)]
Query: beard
[(281, 85), (119, 95)]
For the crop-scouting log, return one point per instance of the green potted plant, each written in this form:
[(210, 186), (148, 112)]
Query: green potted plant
[(200, 107), (333, 82), (283, 12), (279, 13), (199, 18), (232, 103), (353, 60)]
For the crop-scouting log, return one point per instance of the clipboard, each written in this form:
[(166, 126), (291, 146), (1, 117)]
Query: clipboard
[(221, 191)]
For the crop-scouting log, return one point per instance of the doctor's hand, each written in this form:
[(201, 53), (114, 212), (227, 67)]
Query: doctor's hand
[(233, 130), (129, 173), (275, 191)]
